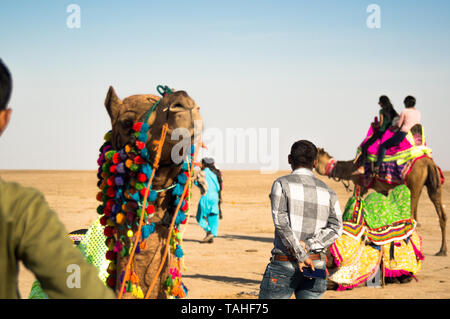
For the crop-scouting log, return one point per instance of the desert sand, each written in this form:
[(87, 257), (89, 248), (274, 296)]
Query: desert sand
[(233, 266)]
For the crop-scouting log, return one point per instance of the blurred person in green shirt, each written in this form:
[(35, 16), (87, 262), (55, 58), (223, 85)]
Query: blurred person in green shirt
[(32, 233)]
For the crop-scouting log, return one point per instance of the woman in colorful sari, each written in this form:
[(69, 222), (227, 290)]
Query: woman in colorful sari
[(210, 182)]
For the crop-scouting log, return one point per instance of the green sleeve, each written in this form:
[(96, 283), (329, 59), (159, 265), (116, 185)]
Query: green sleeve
[(387, 121), (43, 246)]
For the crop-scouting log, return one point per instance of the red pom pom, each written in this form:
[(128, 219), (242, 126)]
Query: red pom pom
[(110, 255), (150, 209), (107, 212), (109, 231), (113, 168), (140, 145), (111, 281), (111, 192), (142, 191), (110, 203), (137, 126), (103, 220), (184, 221), (111, 181), (111, 271), (141, 178), (116, 158), (185, 206), (138, 160), (130, 216)]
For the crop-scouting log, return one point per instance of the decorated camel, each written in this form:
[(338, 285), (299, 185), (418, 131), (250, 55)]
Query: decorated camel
[(139, 220), (422, 171)]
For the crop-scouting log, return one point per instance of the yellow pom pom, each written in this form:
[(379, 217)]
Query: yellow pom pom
[(130, 233), (128, 163), (140, 294), (120, 218), (112, 266), (111, 244), (107, 136)]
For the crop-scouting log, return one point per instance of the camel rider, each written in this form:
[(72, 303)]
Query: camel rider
[(32, 233), (387, 115), (408, 118)]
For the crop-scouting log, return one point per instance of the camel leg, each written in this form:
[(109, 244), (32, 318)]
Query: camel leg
[(415, 196), (436, 198)]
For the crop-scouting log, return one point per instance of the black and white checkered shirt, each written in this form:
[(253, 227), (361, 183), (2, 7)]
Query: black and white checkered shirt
[(304, 208)]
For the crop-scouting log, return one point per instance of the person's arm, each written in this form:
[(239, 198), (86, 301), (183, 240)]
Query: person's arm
[(43, 246), (200, 182), (401, 120), (381, 119), (333, 230), (281, 221)]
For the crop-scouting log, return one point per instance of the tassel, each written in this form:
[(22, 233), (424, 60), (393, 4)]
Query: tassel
[(179, 252)]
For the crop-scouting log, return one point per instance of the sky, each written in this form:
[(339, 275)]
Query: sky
[(302, 69)]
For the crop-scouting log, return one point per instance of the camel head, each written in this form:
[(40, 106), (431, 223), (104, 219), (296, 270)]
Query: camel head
[(323, 158), (177, 109)]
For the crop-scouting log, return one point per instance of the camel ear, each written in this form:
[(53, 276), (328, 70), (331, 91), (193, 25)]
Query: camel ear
[(112, 103)]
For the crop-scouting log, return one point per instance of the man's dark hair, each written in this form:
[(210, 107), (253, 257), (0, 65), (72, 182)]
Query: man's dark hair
[(5, 85), (410, 101), (303, 153)]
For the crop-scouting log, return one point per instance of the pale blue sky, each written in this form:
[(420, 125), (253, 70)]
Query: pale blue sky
[(310, 68)]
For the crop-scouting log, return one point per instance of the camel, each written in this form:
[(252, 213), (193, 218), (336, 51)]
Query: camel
[(179, 111), (424, 173)]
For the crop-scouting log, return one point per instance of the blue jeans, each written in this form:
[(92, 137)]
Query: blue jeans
[(283, 278)]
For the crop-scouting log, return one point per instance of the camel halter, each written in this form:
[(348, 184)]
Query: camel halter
[(329, 168)]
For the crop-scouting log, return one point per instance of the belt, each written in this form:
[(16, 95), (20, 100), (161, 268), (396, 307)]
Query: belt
[(292, 258)]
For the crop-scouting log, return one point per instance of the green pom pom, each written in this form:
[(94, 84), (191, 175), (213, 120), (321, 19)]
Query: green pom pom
[(134, 167), (124, 251), (105, 167), (168, 282), (109, 155), (139, 186), (100, 209)]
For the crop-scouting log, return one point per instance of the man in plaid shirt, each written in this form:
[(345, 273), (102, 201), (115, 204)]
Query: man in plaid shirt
[(307, 219)]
